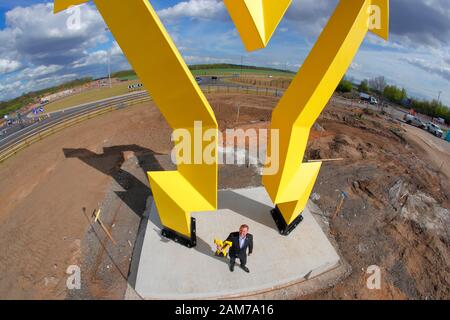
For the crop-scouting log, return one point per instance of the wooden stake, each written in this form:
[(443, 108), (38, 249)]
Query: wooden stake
[(339, 206), (326, 160), (97, 219)]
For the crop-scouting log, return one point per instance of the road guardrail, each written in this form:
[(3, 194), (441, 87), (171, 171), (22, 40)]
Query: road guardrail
[(50, 129)]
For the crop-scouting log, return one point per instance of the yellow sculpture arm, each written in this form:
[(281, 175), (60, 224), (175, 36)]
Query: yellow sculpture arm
[(312, 87), (256, 20), (158, 64), (61, 5)]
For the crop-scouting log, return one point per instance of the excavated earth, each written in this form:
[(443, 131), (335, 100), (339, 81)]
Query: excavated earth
[(394, 213)]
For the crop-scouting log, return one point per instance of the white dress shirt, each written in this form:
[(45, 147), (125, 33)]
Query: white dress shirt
[(241, 242)]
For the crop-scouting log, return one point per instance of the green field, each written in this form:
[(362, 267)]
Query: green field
[(229, 72), (128, 77), (90, 96)]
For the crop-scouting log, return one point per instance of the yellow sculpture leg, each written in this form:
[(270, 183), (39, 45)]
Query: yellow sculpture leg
[(256, 20), (61, 5), (312, 87), (158, 64)]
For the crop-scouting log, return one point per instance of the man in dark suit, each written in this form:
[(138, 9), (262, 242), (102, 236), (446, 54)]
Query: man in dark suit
[(240, 242)]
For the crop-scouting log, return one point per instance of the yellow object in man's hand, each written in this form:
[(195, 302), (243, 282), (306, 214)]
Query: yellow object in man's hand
[(222, 247)]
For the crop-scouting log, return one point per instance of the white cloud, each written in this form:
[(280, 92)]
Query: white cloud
[(37, 35), (440, 67), (40, 71), (113, 56), (42, 44), (7, 66), (203, 9), (97, 57)]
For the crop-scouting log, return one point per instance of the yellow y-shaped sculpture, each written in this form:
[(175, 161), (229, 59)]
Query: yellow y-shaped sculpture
[(158, 64), (309, 91)]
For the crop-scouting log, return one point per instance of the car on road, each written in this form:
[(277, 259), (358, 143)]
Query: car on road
[(199, 80), (415, 121), (434, 129)]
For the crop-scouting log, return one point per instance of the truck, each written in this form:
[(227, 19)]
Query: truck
[(434, 129), (365, 97), (415, 121)]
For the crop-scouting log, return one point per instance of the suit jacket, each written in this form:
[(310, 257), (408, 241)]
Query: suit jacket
[(235, 249)]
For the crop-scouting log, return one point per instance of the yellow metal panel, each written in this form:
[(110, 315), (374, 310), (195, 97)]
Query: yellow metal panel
[(175, 199), (158, 64), (61, 5), (248, 28), (273, 13), (383, 31), (308, 95), (256, 20)]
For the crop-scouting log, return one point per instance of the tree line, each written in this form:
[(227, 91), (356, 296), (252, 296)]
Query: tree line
[(392, 93)]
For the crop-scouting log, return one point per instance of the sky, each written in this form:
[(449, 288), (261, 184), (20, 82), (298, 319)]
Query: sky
[(39, 49)]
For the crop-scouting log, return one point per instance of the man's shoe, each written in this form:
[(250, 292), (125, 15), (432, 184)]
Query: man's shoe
[(245, 269), (231, 268)]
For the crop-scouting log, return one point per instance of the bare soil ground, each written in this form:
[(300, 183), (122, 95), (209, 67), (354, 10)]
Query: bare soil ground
[(395, 214)]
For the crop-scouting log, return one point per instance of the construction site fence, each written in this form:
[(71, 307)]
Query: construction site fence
[(263, 91)]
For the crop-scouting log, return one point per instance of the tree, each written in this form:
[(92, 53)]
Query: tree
[(364, 86), (345, 86), (378, 84), (394, 94)]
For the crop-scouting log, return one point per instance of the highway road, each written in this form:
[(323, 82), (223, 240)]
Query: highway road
[(16, 132)]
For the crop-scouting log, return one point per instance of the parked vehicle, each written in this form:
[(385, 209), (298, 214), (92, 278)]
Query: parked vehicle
[(415, 121), (434, 129), (439, 120), (365, 97), (199, 80)]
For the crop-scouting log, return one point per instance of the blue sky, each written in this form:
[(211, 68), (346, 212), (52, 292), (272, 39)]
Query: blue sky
[(39, 50)]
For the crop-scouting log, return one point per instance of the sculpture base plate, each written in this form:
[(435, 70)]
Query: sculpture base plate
[(178, 238), (284, 228), (279, 265)]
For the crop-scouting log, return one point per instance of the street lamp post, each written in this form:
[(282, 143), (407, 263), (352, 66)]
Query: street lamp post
[(109, 68)]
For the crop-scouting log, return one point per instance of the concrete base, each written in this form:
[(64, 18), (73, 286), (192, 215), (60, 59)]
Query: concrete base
[(168, 270)]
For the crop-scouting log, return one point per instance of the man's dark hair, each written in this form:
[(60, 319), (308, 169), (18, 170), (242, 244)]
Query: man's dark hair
[(244, 226)]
